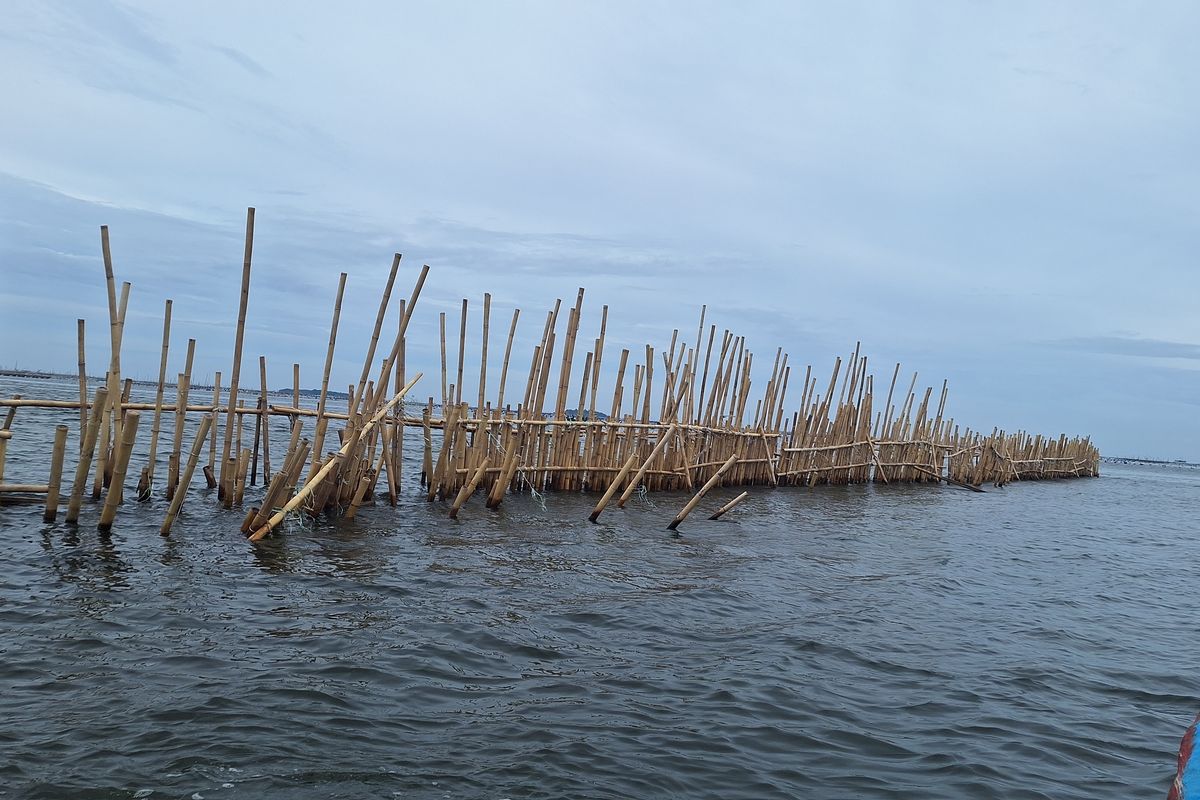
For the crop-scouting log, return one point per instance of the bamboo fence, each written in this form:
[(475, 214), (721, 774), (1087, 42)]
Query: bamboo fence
[(686, 417)]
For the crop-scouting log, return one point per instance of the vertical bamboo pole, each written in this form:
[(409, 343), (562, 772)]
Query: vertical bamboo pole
[(487, 315), (147, 482), (181, 401), (56, 464), (209, 471), (445, 388), (266, 420), (319, 436), (120, 466), (462, 351), (83, 410)]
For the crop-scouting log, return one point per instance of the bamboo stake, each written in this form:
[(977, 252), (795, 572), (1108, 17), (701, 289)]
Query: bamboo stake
[(663, 439), (83, 414), (239, 336), (729, 506), (512, 330), (56, 465), (181, 492), (612, 488), (319, 437), (445, 389), (95, 420), (209, 470), (316, 479), (120, 466), (266, 420), (483, 357), (682, 515), (467, 490), (357, 395), (462, 351)]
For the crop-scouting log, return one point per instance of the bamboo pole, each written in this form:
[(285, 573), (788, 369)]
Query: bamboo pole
[(316, 479), (445, 390), (266, 420), (147, 483), (231, 419), (483, 357), (682, 515), (83, 414), (56, 465), (612, 488), (209, 470), (182, 490), (729, 506), (512, 330), (462, 351), (120, 466), (468, 489), (663, 439), (357, 395), (95, 420), (319, 436)]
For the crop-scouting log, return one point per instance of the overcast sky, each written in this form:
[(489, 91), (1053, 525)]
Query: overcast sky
[(1001, 194)]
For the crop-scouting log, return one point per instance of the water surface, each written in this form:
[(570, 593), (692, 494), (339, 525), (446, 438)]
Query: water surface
[(920, 642)]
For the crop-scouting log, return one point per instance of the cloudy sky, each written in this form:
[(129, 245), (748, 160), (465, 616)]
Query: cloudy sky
[(1001, 194)]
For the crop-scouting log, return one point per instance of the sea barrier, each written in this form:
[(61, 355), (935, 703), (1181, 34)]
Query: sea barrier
[(681, 418)]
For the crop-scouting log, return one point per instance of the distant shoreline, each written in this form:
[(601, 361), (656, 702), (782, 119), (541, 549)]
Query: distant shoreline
[(41, 375)]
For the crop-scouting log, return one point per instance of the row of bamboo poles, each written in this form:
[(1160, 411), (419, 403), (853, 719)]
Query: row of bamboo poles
[(685, 417)]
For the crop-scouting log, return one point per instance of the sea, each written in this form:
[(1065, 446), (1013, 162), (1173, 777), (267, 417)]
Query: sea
[(1035, 641)]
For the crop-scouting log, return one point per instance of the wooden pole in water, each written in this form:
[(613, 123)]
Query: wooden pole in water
[(231, 417), (316, 479), (663, 438), (682, 515), (210, 476), (181, 492), (95, 420), (462, 352), (266, 420), (487, 315), (357, 397), (442, 328), (612, 488), (729, 506), (83, 412), (55, 482), (147, 481), (512, 330), (120, 466), (466, 491), (319, 436)]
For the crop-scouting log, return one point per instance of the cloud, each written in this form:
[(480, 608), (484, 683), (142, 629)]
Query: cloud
[(1131, 346)]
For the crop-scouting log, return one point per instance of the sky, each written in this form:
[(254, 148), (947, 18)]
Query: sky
[(1002, 195)]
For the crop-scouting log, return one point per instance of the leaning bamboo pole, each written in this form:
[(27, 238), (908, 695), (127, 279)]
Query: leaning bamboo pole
[(239, 336), (185, 482), (56, 465), (86, 453), (682, 515), (319, 436), (120, 465), (324, 472)]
